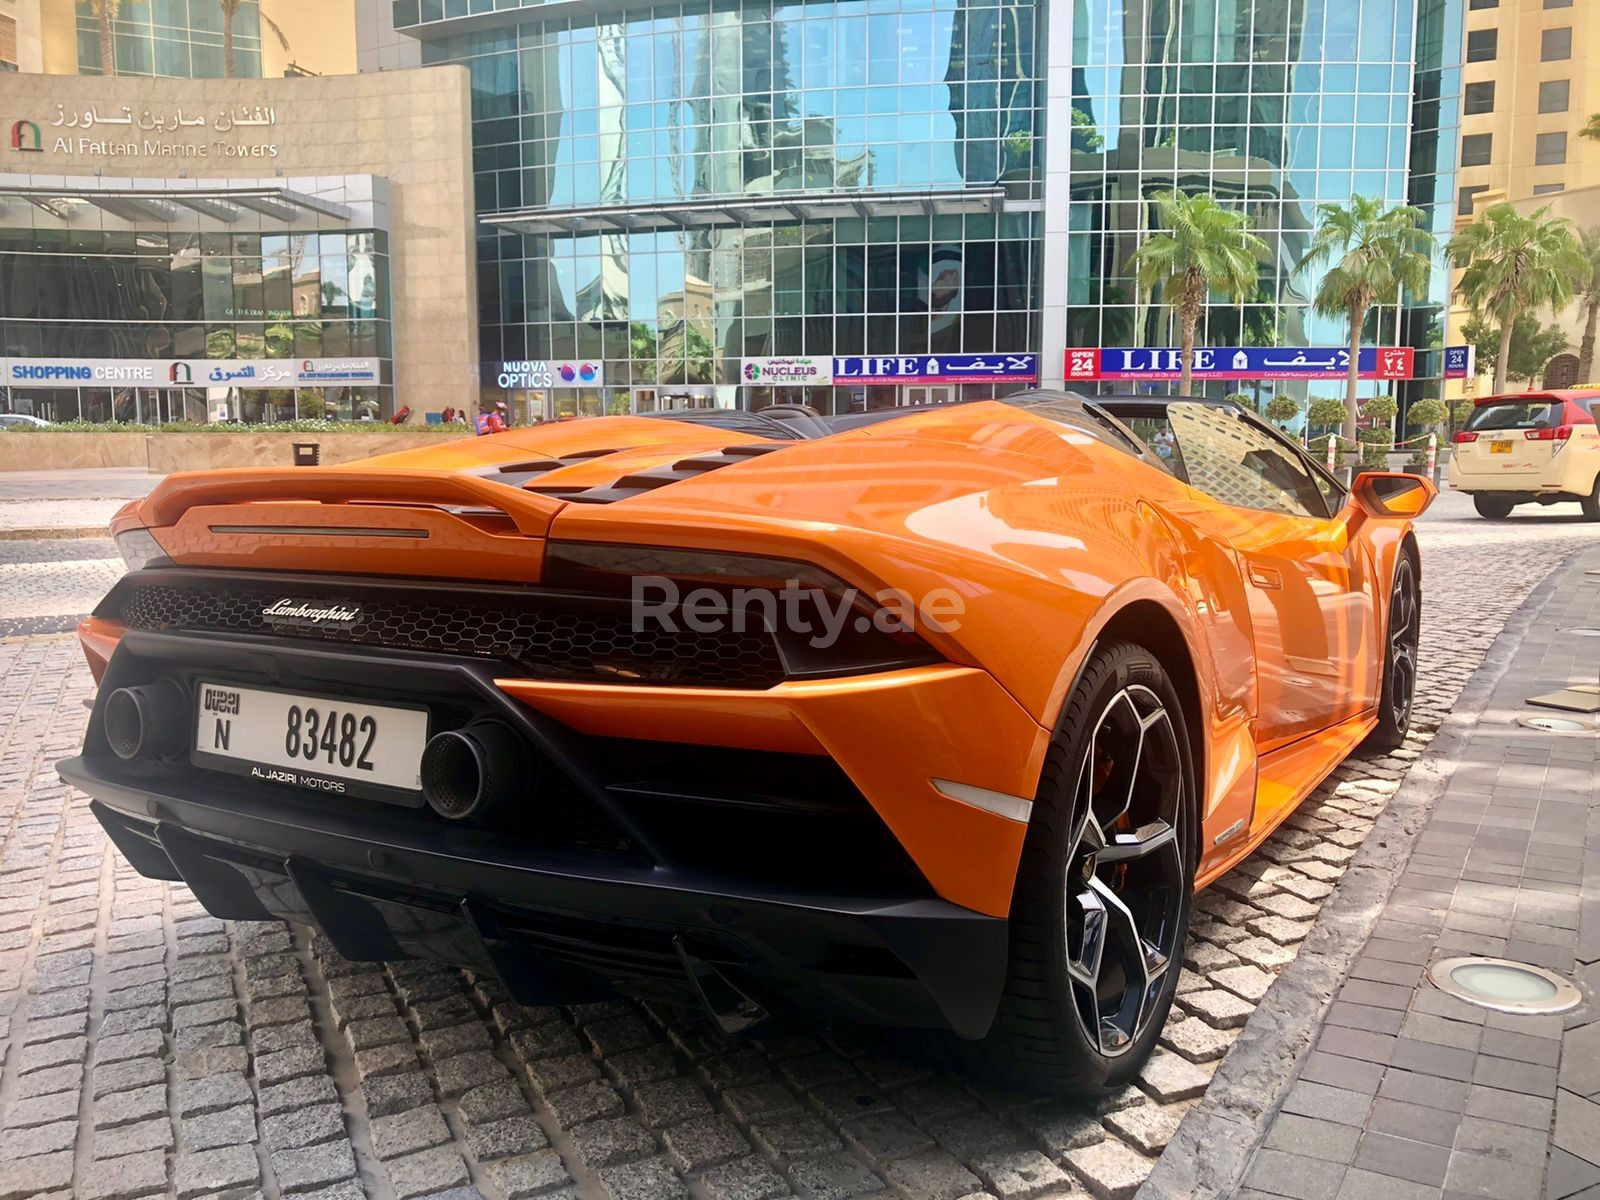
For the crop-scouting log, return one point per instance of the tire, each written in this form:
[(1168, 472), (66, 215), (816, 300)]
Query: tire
[(1495, 508), (1591, 502), (1398, 695), (1041, 1037)]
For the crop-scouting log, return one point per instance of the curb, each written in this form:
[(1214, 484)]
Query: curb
[(1213, 1148), (54, 532)]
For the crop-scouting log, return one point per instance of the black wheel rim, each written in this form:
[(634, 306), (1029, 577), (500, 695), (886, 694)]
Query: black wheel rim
[(1403, 644), (1125, 870)]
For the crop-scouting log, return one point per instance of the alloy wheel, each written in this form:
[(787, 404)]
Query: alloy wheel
[(1125, 869), (1403, 631)]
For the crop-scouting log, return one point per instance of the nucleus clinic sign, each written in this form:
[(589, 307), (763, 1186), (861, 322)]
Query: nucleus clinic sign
[(787, 371), (936, 368), (1150, 365), (540, 374)]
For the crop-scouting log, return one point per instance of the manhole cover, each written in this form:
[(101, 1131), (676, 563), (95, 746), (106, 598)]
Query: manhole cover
[(1554, 724), (1503, 985)]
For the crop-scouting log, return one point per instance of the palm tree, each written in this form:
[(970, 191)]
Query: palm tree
[(1514, 265), (105, 11), (1372, 253), (1592, 129), (1205, 247), (1589, 298), (229, 9)]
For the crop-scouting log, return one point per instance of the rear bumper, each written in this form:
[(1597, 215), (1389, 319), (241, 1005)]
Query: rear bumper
[(556, 922), (1572, 473), (559, 934)]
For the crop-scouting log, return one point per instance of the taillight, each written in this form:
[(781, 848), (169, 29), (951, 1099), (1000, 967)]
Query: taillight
[(1464, 437), (1559, 434)]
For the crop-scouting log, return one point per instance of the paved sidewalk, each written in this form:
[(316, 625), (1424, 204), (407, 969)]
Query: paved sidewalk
[(1410, 1094), (84, 498)]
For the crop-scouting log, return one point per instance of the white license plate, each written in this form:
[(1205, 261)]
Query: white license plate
[(315, 742)]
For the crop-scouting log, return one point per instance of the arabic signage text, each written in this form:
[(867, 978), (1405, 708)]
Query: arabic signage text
[(175, 133), (1239, 362), (551, 373), (787, 370), (188, 372), (936, 368)]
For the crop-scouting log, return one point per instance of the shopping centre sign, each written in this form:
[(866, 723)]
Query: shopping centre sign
[(1145, 364), (187, 372)]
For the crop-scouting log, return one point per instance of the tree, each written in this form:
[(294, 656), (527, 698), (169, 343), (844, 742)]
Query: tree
[(1514, 265), (1242, 399), (1592, 129), (1372, 254), (1589, 299), (1427, 414), (1282, 408), (1203, 248), (1326, 412), (1532, 345), (105, 12), (230, 9), (1381, 409)]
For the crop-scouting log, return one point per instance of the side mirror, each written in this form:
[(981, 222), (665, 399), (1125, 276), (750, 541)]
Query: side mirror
[(1391, 494)]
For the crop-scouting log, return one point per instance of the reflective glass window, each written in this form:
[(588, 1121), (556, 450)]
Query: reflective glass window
[(1479, 97), (1555, 44), (1555, 95)]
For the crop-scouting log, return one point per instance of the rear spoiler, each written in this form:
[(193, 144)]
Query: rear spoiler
[(174, 496)]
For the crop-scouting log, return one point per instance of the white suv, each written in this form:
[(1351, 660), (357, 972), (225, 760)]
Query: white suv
[(1533, 447)]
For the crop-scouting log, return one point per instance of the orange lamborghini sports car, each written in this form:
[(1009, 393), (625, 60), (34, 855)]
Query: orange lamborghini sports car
[(926, 717)]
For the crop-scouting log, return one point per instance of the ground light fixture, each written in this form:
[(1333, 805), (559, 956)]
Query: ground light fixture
[(1554, 724), (1505, 986)]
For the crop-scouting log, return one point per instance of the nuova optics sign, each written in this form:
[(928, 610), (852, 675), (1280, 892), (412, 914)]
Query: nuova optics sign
[(238, 131)]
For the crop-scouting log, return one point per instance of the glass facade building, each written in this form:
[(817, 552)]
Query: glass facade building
[(1276, 107), (181, 38), (671, 189)]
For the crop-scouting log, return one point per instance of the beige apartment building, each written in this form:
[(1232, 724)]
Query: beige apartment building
[(272, 38), (1530, 83)]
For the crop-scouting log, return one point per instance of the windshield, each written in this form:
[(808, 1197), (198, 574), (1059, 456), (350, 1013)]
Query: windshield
[(1516, 414)]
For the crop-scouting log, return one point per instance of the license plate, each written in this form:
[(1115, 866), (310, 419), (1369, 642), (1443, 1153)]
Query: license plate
[(1500, 447), (317, 743)]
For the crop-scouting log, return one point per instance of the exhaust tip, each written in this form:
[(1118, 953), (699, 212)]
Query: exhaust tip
[(470, 771), (148, 721)]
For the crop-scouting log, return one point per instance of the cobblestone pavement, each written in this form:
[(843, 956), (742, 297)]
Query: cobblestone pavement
[(151, 1050)]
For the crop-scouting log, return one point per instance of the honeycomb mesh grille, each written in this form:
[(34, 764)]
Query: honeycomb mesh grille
[(553, 640)]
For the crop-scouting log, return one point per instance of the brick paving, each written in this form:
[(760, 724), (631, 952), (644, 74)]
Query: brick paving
[(152, 1050), (1412, 1093)]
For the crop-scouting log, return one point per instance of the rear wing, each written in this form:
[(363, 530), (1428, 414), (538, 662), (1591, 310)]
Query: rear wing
[(166, 505)]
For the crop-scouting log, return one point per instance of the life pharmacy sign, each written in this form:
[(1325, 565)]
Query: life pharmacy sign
[(245, 131)]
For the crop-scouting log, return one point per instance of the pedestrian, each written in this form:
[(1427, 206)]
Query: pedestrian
[(494, 420)]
